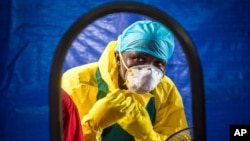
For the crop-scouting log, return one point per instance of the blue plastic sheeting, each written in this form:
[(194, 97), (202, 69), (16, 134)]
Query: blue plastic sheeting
[(31, 30)]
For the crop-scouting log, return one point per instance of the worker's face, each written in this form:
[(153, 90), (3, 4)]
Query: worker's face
[(138, 58)]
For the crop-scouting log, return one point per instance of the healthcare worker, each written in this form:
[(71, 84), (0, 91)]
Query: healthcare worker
[(125, 96)]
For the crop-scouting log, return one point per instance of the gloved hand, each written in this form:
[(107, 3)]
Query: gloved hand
[(108, 110), (138, 124)]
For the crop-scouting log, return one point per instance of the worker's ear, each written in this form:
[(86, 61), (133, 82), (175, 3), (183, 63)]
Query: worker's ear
[(117, 58)]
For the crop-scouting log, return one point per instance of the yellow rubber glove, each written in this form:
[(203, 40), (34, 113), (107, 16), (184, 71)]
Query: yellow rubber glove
[(138, 124), (108, 110)]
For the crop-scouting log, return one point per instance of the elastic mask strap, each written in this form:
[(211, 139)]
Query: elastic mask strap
[(129, 71), (122, 61)]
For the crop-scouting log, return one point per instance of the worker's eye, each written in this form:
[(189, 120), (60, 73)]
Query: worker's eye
[(138, 59), (160, 64)]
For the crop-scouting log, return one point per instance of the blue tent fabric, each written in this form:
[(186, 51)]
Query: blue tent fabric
[(31, 30)]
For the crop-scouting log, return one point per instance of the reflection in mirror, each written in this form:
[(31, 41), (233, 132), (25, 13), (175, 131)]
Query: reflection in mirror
[(92, 73)]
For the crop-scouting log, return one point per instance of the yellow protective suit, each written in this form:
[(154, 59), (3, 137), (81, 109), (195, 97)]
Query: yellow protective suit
[(88, 83)]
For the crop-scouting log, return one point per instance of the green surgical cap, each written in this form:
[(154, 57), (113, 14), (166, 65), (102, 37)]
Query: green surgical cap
[(148, 37)]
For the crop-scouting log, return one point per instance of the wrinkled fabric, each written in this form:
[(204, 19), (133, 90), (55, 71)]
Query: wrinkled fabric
[(149, 37), (72, 130), (80, 83)]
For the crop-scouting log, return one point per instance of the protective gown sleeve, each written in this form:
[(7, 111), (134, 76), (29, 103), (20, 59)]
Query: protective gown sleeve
[(170, 114), (72, 130), (138, 124), (80, 84)]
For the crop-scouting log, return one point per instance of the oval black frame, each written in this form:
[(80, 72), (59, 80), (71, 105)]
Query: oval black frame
[(196, 78)]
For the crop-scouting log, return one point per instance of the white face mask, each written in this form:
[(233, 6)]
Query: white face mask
[(142, 78)]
